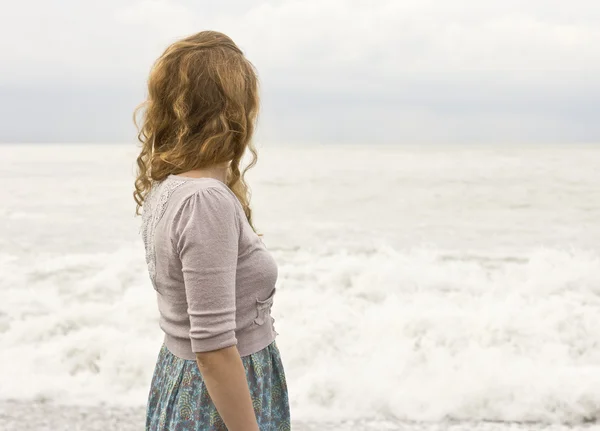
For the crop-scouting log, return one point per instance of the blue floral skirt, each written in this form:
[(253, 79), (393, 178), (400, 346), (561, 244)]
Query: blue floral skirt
[(179, 401)]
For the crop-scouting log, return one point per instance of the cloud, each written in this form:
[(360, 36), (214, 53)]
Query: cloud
[(399, 40), (457, 63), (162, 15)]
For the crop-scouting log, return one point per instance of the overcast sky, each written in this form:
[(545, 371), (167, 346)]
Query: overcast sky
[(357, 71)]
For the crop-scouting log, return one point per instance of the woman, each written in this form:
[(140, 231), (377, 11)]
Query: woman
[(219, 367)]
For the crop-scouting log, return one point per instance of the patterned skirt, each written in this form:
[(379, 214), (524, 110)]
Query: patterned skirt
[(179, 401)]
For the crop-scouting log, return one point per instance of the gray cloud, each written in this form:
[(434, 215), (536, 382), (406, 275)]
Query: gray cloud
[(331, 70)]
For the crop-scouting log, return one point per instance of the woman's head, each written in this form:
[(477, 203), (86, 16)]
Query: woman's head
[(201, 109)]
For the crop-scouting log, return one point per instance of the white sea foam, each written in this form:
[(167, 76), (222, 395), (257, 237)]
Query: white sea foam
[(410, 334), (407, 320)]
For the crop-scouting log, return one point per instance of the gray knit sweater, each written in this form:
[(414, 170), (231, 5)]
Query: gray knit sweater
[(214, 277)]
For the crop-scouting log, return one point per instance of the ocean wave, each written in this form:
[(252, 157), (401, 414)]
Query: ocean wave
[(419, 334)]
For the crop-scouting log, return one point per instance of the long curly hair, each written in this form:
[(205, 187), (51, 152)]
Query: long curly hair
[(201, 110)]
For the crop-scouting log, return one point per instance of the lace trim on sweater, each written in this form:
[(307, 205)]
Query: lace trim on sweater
[(153, 209)]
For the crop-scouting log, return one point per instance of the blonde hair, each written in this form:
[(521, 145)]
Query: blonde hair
[(201, 109)]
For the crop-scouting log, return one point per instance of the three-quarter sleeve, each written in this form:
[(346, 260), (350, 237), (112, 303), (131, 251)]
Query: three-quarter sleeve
[(206, 237)]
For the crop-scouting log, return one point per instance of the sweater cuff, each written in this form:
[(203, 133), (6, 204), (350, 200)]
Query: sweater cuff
[(217, 342)]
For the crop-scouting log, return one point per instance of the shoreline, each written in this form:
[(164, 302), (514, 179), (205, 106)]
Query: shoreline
[(49, 416)]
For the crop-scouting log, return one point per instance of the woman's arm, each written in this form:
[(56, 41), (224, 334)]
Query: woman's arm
[(225, 379), (206, 236)]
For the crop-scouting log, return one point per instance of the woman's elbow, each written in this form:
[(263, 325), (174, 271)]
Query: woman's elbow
[(215, 358)]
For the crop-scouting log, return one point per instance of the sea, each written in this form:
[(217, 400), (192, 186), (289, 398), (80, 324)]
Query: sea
[(418, 283)]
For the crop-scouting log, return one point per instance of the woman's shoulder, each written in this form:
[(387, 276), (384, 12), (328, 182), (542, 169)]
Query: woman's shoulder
[(202, 197), (207, 190)]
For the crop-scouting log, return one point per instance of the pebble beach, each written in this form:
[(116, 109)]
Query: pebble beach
[(48, 416)]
